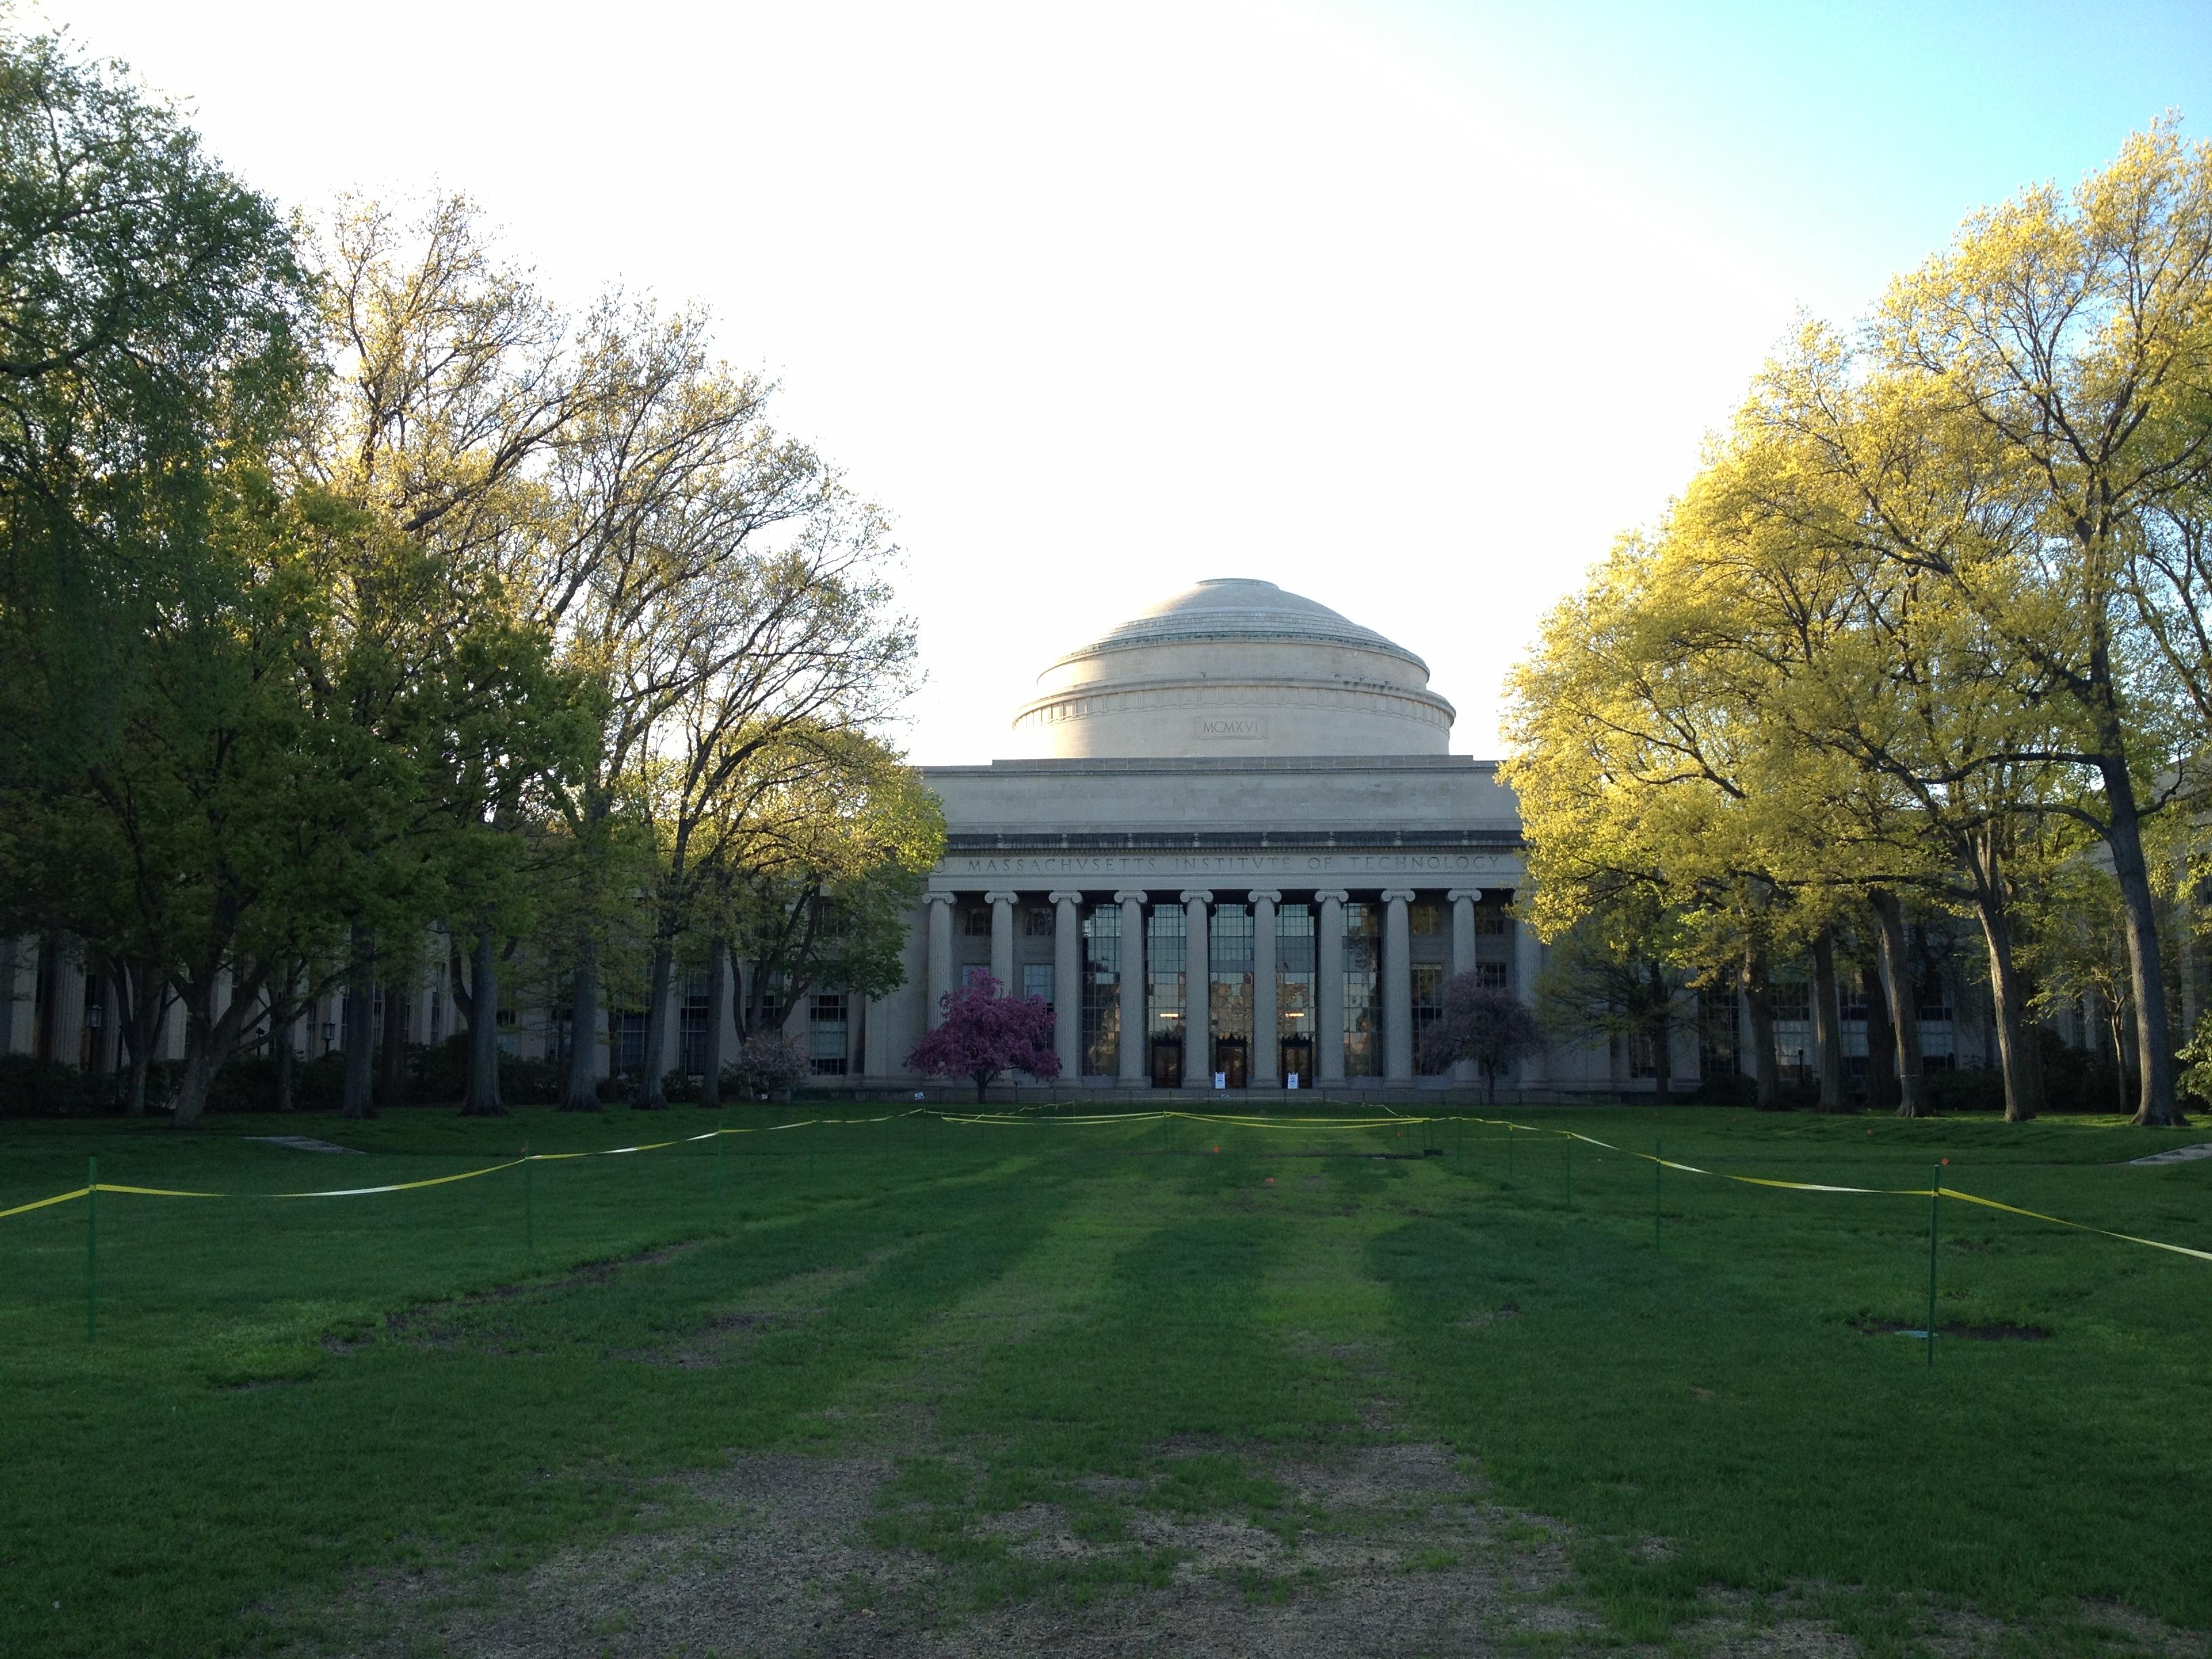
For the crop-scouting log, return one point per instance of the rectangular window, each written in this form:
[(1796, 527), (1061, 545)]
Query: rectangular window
[(827, 1029), (1037, 981), (1934, 1000), (976, 922), (1490, 920), (1426, 919), (1792, 999), (1036, 922), (691, 1028), (1165, 947), (1490, 975), (1101, 990), (628, 1040), (1294, 987), (1720, 1052), (1428, 1005), (1363, 1011), (1229, 942)]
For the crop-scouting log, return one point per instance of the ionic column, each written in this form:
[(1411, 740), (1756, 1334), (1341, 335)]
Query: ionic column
[(1197, 993), (940, 956), (1132, 986), (1067, 985), (1002, 941), (1528, 963), (1397, 987), (1463, 901), (1329, 991), (1266, 1045)]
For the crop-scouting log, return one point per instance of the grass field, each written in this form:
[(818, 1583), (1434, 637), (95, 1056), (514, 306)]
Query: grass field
[(1063, 1373)]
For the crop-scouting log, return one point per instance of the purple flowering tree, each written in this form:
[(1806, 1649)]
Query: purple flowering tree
[(985, 1033), (1493, 1028)]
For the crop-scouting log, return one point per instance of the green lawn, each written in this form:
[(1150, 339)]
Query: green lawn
[(250, 1434)]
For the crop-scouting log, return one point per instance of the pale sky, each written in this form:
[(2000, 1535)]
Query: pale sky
[(1409, 308)]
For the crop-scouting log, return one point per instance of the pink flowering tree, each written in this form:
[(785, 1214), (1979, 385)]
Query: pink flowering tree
[(985, 1033), (1492, 1027)]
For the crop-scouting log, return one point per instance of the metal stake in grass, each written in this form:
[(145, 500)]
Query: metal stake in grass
[(1934, 1208), (1658, 1174), (1508, 1154), (529, 1205), (91, 1246), (1571, 1177)]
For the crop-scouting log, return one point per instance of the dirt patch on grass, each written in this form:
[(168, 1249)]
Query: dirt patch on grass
[(1390, 1550), (1995, 1333), (450, 1322), (1390, 1554)]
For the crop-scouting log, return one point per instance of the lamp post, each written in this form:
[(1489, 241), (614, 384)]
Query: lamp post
[(330, 1035)]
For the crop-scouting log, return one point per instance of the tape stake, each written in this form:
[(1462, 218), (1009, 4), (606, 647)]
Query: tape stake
[(1935, 1217), (91, 1246)]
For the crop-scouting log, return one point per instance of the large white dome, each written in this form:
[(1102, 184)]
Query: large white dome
[(1237, 666)]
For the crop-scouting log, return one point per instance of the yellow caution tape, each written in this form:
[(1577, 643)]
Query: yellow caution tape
[(2079, 1226), (1032, 1119), (40, 1204)]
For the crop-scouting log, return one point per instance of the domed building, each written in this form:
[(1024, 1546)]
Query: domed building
[(1240, 856), (1235, 666)]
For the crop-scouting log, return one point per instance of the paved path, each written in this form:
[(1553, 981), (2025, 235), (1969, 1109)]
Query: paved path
[(2178, 1154), (309, 1144)]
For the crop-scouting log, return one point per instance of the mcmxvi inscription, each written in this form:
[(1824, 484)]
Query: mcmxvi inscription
[(1217, 727)]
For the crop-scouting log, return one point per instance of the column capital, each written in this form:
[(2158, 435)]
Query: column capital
[(1130, 895), (1473, 894), (1265, 896), (1062, 896), (1197, 896), (1332, 896), (1001, 898), (940, 898), (1397, 895)]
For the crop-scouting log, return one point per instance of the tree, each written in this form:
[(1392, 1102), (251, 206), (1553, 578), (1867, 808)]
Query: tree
[(985, 1032), (811, 879), (1608, 976), (152, 316), (1489, 1027), (2063, 341)]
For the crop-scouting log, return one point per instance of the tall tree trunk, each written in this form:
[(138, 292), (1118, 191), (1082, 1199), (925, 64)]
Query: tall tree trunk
[(142, 996), (208, 1039), (582, 1093), (2023, 1096), (1827, 1023), (651, 1097), (1758, 1000), (283, 1020), (391, 1043), (1903, 1003), (188, 1096), (483, 1098), (360, 1100), (744, 1008), (718, 1014), (2146, 972), (1881, 1040)]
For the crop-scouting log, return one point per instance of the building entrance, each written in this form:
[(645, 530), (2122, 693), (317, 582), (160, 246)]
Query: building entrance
[(1230, 1059), (1167, 1062), (1297, 1061)]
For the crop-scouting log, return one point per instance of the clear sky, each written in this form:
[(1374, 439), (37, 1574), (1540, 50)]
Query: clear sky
[(1410, 307)]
